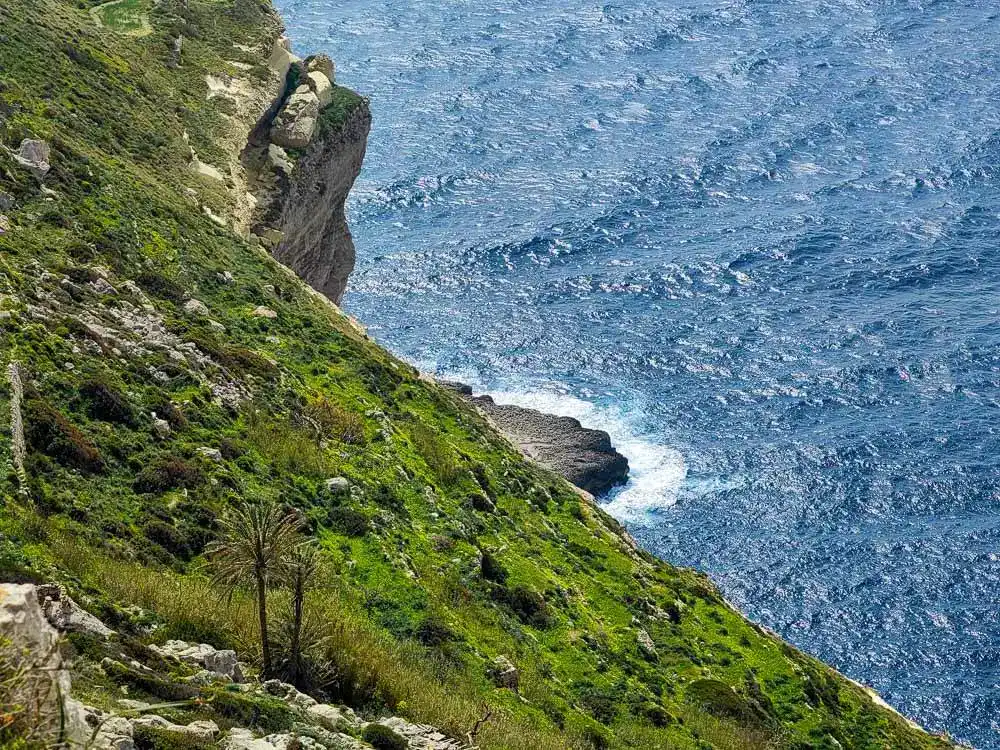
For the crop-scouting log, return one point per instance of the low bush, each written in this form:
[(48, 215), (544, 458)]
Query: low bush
[(146, 737), (433, 631), (237, 358), (167, 474), (348, 521), (720, 700), (160, 286), (330, 421), (382, 737), (529, 606), (436, 452), (107, 403), (491, 568), (49, 432), (262, 713)]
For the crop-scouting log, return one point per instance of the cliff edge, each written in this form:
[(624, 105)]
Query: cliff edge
[(303, 158)]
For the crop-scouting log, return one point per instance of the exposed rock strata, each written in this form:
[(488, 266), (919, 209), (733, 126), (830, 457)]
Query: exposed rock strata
[(302, 170), (583, 456)]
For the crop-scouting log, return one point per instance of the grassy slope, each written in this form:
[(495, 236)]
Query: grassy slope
[(121, 515)]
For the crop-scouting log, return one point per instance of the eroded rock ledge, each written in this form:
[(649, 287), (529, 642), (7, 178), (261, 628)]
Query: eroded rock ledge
[(302, 160), (583, 456)]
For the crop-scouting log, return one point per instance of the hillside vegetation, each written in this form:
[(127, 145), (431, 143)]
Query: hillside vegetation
[(147, 415)]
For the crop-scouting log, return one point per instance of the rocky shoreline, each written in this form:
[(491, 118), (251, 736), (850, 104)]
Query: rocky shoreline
[(583, 456)]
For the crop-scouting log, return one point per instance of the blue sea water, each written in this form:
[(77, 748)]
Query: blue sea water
[(758, 241)]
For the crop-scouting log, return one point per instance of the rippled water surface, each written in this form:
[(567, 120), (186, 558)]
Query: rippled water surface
[(759, 242)]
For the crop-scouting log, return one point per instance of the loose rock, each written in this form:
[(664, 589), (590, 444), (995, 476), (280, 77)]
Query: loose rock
[(323, 64), (66, 615), (337, 486), (504, 673), (195, 307), (34, 156), (295, 124)]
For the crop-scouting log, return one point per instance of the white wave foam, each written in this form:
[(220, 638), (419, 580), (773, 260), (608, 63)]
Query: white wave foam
[(656, 471)]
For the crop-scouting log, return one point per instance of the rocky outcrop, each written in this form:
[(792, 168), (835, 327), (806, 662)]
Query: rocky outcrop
[(66, 615), (304, 161), (37, 679), (218, 662), (504, 674), (582, 455), (34, 156)]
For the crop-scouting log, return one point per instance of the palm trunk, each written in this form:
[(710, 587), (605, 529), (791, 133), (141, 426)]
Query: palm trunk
[(297, 630), (265, 644)]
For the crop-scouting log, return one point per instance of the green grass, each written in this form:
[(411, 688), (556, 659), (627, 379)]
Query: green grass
[(122, 514), (124, 16)]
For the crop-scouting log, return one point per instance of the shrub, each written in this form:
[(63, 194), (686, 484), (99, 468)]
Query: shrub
[(720, 700), (436, 452), (329, 421), (168, 537), (382, 737), (348, 521), (149, 683), (266, 714), (49, 432), (386, 497), (529, 606), (148, 737), (231, 449), (167, 474), (237, 358), (491, 568), (599, 703), (107, 403), (160, 286), (168, 410), (433, 631)]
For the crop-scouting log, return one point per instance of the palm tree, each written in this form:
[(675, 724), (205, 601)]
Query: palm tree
[(300, 568), (256, 542)]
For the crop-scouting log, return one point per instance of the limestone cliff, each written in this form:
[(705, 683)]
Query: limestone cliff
[(303, 159)]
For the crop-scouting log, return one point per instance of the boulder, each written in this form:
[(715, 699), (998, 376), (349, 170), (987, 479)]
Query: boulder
[(45, 686), (66, 615), (264, 312), (212, 454), (216, 662), (420, 736), (321, 86), (195, 307), (161, 427), (504, 674), (323, 64), (281, 58), (4, 224), (6, 200), (34, 156), (111, 733), (337, 486), (332, 717), (295, 124), (277, 159), (646, 644)]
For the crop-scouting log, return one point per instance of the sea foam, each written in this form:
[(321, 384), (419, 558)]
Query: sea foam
[(656, 471)]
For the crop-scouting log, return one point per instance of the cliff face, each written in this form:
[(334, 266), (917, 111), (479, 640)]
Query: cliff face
[(304, 159)]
